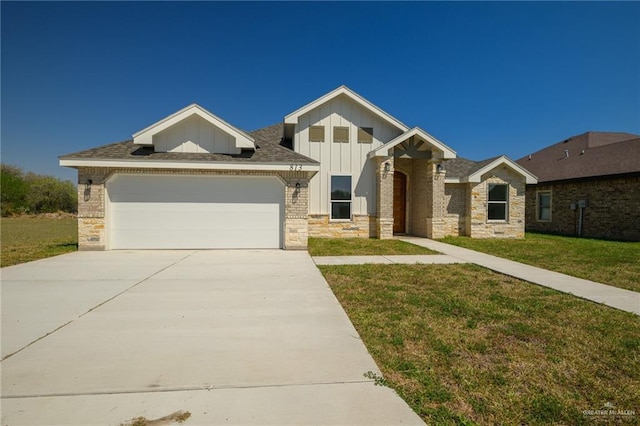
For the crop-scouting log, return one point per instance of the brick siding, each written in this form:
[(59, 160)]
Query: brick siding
[(612, 212), (93, 228)]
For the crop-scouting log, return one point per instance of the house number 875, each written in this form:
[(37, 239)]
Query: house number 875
[(295, 167)]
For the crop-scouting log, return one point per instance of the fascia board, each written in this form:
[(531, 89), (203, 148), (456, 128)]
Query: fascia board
[(187, 165), (343, 90)]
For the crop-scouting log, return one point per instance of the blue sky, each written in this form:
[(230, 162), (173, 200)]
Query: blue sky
[(484, 78)]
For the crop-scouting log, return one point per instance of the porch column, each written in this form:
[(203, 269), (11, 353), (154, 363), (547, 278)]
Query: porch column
[(435, 214), (384, 197)]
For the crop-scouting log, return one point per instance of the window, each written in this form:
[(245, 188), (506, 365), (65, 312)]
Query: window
[(365, 134), (544, 206), (341, 197), (316, 134), (340, 134), (497, 205)]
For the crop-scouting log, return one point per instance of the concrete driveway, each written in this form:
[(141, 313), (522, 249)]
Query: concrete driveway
[(232, 337)]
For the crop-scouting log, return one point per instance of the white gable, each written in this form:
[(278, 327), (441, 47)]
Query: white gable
[(345, 91), (442, 150), (194, 129)]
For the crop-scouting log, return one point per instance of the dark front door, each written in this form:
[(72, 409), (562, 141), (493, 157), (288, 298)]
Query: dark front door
[(399, 202)]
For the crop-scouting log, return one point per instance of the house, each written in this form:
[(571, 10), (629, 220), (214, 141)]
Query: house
[(588, 185), (336, 167)]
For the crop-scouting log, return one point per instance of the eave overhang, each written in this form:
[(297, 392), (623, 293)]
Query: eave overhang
[(190, 165)]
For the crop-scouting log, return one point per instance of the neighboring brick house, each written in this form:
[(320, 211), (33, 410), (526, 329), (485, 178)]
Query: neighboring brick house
[(336, 167), (588, 185)]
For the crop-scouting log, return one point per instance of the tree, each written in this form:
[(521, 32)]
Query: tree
[(13, 190), (33, 193)]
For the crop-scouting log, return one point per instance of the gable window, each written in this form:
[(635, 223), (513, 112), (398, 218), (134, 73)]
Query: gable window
[(497, 205), (341, 197), (316, 134), (543, 206), (340, 134), (365, 134)]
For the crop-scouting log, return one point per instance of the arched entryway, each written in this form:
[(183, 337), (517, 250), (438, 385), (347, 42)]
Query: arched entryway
[(399, 203)]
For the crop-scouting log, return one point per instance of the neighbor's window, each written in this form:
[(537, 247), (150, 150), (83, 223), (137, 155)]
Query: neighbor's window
[(544, 206), (340, 134), (365, 134), (341, 197), (497, 206), (316, 134)]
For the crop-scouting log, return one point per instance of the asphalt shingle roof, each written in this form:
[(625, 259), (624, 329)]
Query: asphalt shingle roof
[(588, 155), (268, 150), (462, 167)]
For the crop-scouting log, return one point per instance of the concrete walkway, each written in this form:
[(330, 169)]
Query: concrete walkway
[(615, 297), (618, 298), (390, 259)]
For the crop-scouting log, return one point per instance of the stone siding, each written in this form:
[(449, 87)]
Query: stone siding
[(93, 226), (612, 211), (361, 226), (455, 201), (477, 225)]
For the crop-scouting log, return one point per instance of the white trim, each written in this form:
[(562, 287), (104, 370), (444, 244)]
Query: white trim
[(384, 150), (136, 164), (145, 136), (476, 176), (344, 90)]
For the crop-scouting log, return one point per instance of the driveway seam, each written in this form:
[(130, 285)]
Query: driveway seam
[(97, 306), (188, 389)]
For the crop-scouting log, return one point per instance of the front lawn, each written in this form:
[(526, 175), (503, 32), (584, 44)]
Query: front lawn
[(608, 262), (31, 238), (362, 247), (464, 345)]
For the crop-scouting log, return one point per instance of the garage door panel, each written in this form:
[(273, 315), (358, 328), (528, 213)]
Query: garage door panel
[(160, 211)]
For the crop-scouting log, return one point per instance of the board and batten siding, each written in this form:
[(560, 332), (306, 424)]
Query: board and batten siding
[(342, 158), (195, 134)]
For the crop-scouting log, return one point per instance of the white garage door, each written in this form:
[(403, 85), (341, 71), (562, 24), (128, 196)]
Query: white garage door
[(190, 212)]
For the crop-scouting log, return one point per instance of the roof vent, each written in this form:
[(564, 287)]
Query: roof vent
[(582, 152), (566, 153)]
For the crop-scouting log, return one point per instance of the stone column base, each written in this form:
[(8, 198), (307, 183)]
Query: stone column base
[(296, 233), (385, 229), (435, 228)]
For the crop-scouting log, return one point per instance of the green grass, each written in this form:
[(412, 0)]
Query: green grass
[(31, 238), (609, 262), (464, 345), (362, 247)]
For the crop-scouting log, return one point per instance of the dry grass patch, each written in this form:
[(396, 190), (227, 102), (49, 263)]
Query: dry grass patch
[(464, 345), (610, 262), (31, 238), (362, 247)]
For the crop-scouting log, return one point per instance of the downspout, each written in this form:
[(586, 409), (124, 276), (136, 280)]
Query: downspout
[(582, 204), (580, 216)]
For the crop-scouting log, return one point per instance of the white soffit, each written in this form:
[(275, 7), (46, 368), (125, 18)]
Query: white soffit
[(476, 176), (191, 165), (344, 90), (383, 151), (145, 136)]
